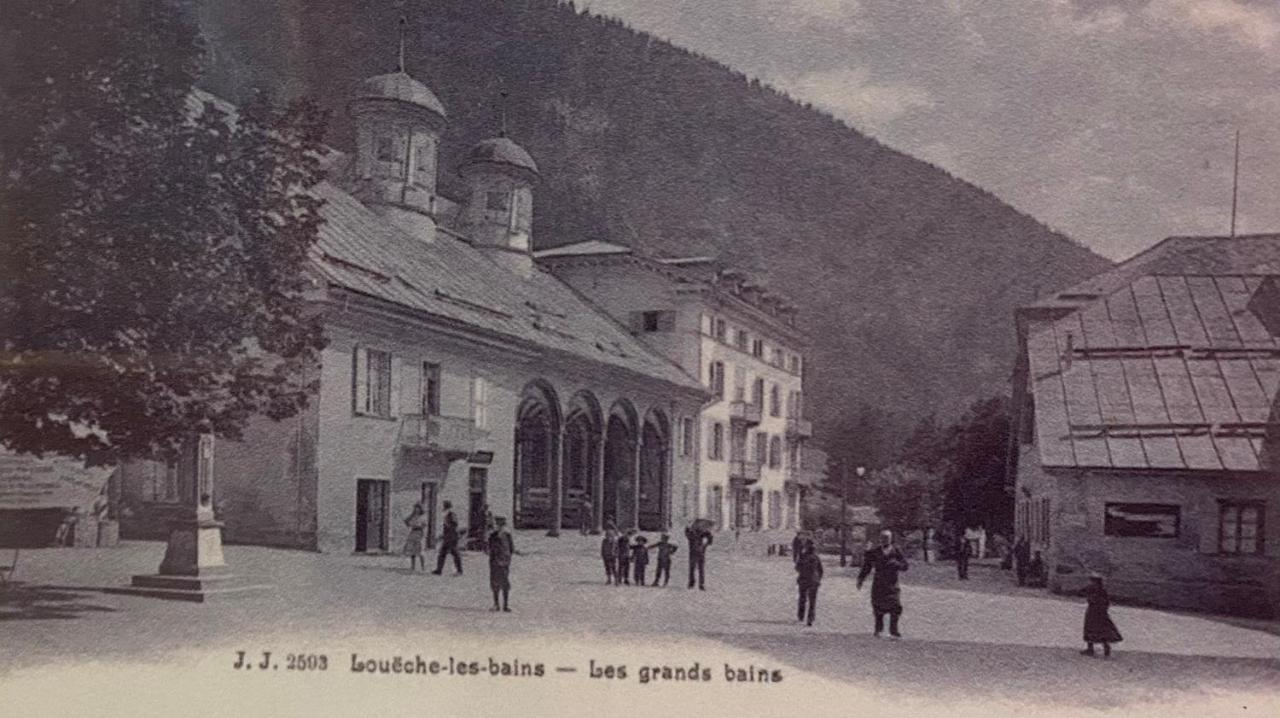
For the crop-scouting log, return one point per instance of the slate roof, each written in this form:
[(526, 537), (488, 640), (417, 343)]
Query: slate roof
[(1166, 368), (451, 279)]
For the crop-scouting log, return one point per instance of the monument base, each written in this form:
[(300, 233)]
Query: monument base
[(193, 568)]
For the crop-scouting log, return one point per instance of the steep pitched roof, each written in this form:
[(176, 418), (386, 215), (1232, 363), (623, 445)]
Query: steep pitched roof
[(450, 279), (1166, 367)]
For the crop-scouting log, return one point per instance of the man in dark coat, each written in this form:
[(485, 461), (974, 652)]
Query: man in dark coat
[(501, 549), (609, 554), (699, 539), (962, 558), (449, 542), (640, 559), (665, 549), (1098, 627), (809, 577), (887, 561), (797, 545), (624, 556), (1021, 559)]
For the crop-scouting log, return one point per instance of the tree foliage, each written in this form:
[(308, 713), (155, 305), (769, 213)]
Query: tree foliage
[(154, 246), (907, 497)]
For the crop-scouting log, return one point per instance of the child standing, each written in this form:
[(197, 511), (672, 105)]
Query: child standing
[(609, 554), (665, 550), (623, 574), (640, 557), (1098, 627)]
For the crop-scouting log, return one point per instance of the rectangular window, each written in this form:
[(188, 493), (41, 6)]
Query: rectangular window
[(480, 402), (775, 401), (762, 447), (720, 329), (740, 339), (775, 453), (430, 389), (757, 393), (372, 382), (1142, 520), (686, 436), (778, 360), (795, 364), (1240, 527), (497, 201), (757, 348), (716, 378), (715, 450), (653, 321)]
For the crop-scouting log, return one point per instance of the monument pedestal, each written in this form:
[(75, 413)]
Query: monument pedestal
[(193, 568)]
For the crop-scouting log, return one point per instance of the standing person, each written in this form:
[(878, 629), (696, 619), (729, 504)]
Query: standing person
[(699, 539), (1021, 559), (962, 558), (1098, 627), (887, 561), (501, 549), (449, 542), (416, 543), (1035, 572), (584, 516), (609, 554), (797, 545), (640, 559), (665, 550), (808, 578), (624, 557)]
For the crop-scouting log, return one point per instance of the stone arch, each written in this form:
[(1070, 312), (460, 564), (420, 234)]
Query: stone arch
[(583, 444), (621, 441), (655, 466), (539, 424)]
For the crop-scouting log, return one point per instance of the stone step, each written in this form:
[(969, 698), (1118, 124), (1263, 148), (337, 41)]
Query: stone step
[(195, 589)]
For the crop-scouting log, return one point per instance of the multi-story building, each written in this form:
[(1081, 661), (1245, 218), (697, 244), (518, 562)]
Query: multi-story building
[(1146, 426), (456, 369), (744, 344)]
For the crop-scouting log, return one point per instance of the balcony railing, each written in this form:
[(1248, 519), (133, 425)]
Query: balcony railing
[(454, 436), (799, 428), (744, 412), (743, 471)]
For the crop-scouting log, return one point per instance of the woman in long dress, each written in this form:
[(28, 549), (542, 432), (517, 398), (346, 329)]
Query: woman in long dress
[(416, 544), (1098, 627)]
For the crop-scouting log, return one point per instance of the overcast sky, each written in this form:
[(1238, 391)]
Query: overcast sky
[(1110, 120)]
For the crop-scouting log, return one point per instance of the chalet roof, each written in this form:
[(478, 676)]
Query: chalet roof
[(1166, 368), (450, 279)]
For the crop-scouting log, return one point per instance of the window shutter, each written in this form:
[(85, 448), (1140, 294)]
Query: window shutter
[(360, 380), (411, 387), (393, 390)]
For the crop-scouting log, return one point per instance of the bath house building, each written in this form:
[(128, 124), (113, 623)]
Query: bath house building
[(456, 368), (743, 342)]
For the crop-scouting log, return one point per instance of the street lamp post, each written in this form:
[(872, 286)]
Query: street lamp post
[(844, 510)]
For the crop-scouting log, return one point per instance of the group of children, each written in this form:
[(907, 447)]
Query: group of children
[(626, 558)]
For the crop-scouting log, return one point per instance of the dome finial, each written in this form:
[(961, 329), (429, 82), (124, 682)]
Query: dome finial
[(404, 22), (502, 113)]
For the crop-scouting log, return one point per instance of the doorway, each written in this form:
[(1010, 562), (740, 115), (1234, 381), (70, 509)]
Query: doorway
[(430, 492), (372, 507), (477, 502)]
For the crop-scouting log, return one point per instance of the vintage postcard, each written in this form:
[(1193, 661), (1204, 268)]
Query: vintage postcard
[(639, 357)]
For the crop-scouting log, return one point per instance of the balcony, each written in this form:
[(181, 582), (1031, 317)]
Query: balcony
[(452, 436), (799, 429), (745, 413), (743, 472), (805, 478)]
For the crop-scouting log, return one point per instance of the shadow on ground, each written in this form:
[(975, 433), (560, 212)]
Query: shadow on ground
[(19, 602), (943, 669)]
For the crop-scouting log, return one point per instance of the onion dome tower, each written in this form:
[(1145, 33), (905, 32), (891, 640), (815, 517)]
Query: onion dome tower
[(499, 176)]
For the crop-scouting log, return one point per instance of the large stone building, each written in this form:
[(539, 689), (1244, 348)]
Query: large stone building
[(456, 369), (1147, 429), (743, 343)]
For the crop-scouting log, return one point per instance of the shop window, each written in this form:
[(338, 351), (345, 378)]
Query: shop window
[(1142, 520)]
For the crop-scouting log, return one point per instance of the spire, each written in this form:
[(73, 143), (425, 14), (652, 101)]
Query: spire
[(502, 113)]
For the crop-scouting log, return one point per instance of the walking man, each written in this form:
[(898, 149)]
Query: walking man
[(501, 549), (886, 561), (699, 539), (449, 542), (809, 570)]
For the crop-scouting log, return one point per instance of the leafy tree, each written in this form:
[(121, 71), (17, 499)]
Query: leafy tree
[(907, 497), (976, 448), (154, 246)]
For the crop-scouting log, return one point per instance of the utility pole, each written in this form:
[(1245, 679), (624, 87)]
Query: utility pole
[(844, 511), (1235, 184)]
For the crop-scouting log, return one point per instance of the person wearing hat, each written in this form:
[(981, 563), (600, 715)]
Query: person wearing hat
[(609, 554), (640, 558), (1098, 627), (665, 550), (624, 556), (501, 549), (449, 542), (887, 561), (809, 577), (699, 539)]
